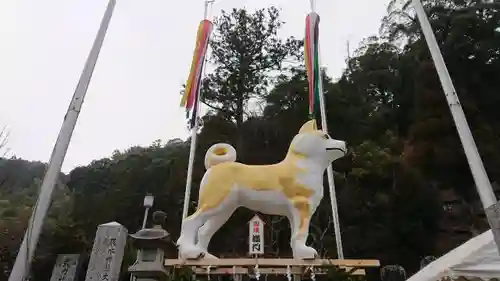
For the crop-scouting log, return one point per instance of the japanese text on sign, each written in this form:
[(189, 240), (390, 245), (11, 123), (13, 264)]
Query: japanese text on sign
[(256, 236), (256, 227), (65, 267)]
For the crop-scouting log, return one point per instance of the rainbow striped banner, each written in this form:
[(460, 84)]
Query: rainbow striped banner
[(312, 62), (190, 98)]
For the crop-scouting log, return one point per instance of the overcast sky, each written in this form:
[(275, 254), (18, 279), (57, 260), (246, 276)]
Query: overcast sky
[(133, 98)]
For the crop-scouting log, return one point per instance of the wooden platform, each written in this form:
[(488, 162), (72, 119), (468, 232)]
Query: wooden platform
[(267, 271), (270, 266)]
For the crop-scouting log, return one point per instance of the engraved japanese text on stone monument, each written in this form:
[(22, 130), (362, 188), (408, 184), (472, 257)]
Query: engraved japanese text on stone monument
[(65, 268), (107, 253)]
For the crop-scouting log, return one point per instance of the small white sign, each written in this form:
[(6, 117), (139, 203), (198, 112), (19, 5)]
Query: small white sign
[(256, 236)]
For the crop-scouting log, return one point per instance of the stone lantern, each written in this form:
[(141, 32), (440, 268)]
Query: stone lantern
[(151, 245)]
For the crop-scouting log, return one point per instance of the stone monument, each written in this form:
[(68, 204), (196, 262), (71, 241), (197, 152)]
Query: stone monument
[(107, 252), (66, 267)]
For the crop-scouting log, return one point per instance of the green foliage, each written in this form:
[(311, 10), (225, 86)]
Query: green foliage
[(388, 105), (17, 200), (372, 159)]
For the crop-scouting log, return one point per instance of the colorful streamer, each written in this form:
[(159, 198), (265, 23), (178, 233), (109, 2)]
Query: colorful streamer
[(191, 93), (312, 62)]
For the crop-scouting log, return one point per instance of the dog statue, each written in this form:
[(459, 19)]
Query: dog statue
[(291, 188)]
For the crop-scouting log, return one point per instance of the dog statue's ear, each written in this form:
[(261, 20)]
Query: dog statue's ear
[(309, 126), (299, 145)]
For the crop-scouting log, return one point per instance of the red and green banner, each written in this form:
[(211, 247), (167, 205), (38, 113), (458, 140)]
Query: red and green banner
[(190, 97), (311, 53)]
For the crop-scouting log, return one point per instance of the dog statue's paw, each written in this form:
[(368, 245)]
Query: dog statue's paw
[(208, 256), (190, 252), (304, 252)]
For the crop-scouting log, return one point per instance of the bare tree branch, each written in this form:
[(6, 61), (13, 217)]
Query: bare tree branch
[(214, 107), (4, 139)]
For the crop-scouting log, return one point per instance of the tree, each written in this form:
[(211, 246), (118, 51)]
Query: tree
[(15, 210), (466, 33), (246, 49), (467, 36)]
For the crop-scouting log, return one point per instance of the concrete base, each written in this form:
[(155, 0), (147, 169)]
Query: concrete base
[(493, 215)]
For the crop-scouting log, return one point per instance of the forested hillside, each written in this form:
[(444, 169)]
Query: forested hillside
[(404, 191)]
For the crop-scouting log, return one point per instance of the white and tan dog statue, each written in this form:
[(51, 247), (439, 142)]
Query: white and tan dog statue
[(291, 188)]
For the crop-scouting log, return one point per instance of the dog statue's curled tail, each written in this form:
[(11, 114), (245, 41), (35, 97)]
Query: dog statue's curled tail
[(219, 153)]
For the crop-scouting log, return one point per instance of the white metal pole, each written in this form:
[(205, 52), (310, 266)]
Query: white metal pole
[(312, 4), (329, 170), (194, 134), (483, 185), (331, 180), (21, 268), (189, 178), (145, 219)]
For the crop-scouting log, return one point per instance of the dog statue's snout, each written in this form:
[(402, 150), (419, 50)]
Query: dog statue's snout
[(343, 144)]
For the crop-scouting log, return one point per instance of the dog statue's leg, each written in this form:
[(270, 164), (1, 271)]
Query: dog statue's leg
[(301, 216), (189, 230), (211, 226), (188, 247)]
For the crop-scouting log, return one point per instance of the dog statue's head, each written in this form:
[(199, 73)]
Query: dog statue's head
[(317, 145)]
